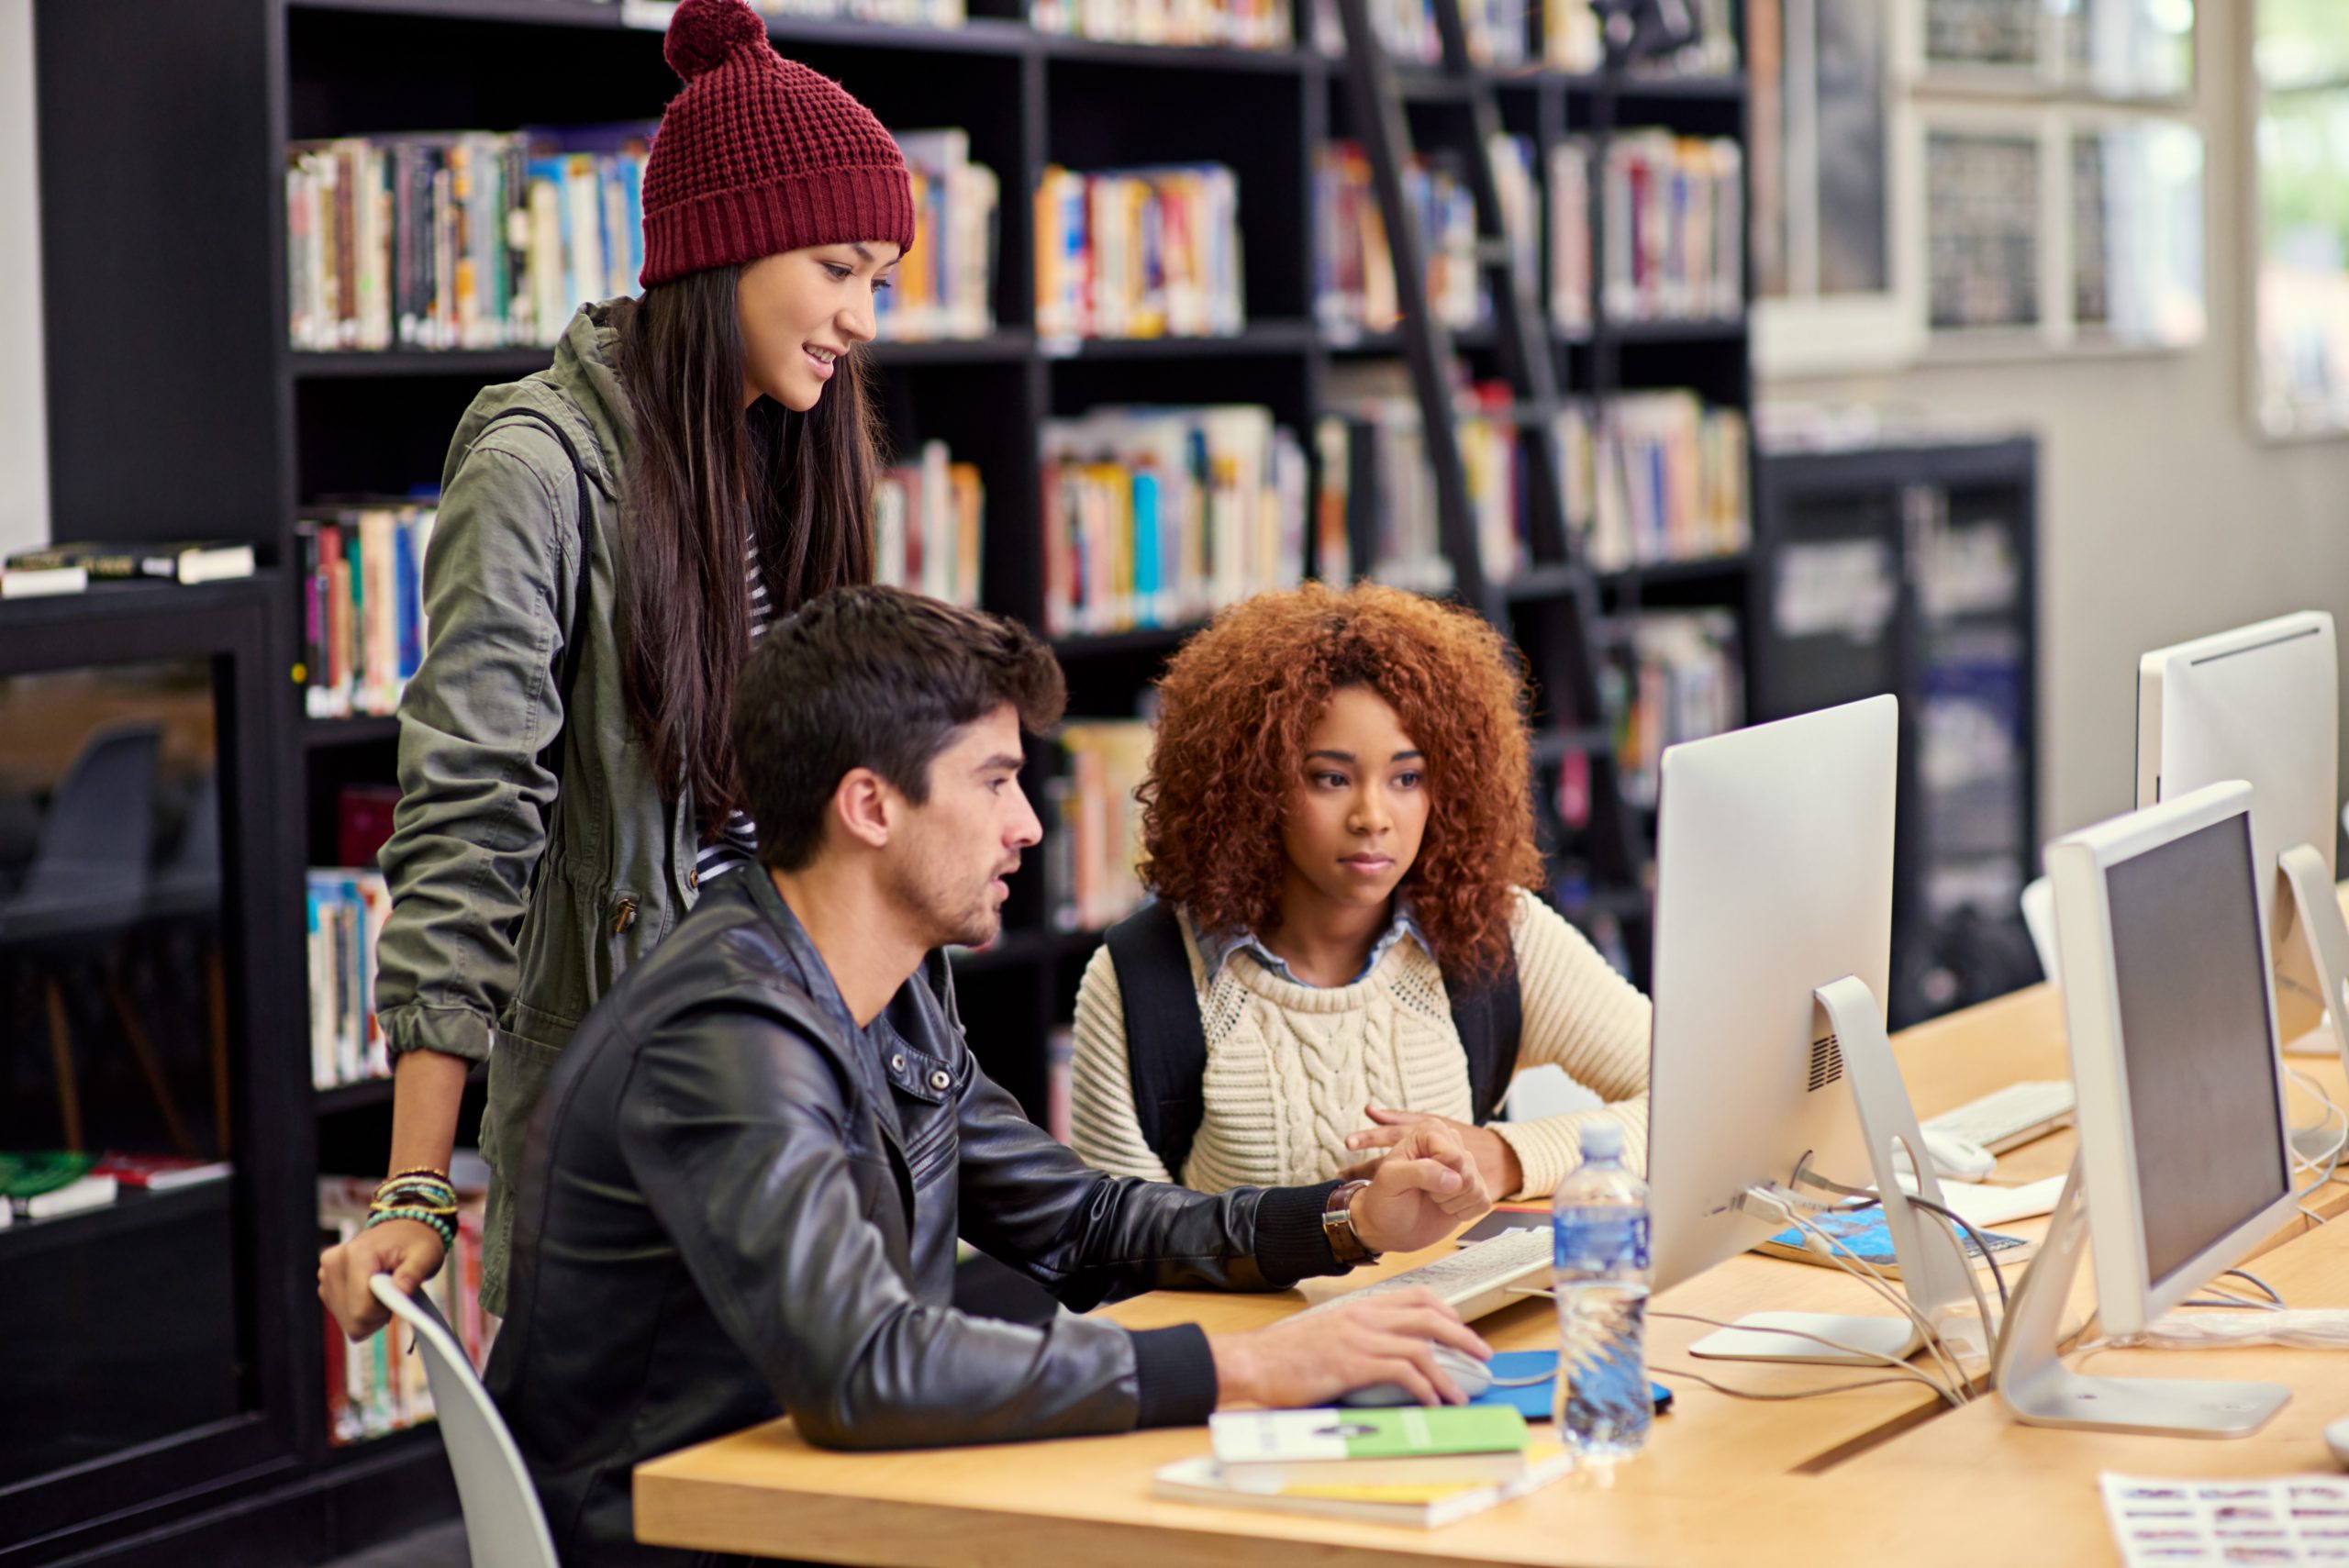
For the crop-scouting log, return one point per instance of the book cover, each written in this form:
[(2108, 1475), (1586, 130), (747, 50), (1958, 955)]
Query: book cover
[(1416, 1505), (1279, 1447), (1870, 1238)]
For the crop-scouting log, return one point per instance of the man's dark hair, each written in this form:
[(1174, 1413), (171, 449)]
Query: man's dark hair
[(875, 678)]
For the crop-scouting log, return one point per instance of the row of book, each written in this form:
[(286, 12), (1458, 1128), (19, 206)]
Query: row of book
[(1571, 40), (1156, 516), (485, 239), (1220, 24), (1150, 252), (360, 571), (1680, 678), (343, 915), (42, 1184), (1090, 877), (894, 13), (1353, 265), (1375, 471), (945, 285), (1653, 477), (377, 1385), (476, 240), (1493, 29), (928, 527), (1675, 229)]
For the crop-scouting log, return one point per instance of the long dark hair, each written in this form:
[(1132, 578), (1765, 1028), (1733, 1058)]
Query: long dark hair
[(706, 475)]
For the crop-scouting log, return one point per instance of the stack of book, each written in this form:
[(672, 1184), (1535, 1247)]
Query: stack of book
[(1090, 877), (1139, 253), (1682, 681), (1228, 24), (79, 562), (475, 239), (1675, 228), (1155, 516), (345, 914), (945, 286), (359, 569), (1653, 477), (1375, 472), (1572, 42), (1406, 1466), (49, 1184), (378, 1386), (1494, 31), (929, 523)]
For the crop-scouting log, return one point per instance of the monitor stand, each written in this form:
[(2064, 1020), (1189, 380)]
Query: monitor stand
[(2041, 1392), (1930, 1272), (2317, 906)]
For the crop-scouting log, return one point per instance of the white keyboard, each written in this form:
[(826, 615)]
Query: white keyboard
[(1474, 1280), (2009, 1118)]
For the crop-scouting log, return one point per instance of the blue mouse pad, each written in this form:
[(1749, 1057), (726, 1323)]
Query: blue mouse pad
[(1533, 1400)]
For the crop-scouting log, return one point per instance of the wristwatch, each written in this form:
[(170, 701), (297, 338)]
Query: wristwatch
[(1338, 1225)]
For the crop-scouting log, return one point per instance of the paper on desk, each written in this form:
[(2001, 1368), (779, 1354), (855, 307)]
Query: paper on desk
[(1978, 1203), (2296, 1519)]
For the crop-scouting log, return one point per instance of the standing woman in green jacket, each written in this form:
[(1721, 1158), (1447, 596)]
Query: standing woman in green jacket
[(613, 533)]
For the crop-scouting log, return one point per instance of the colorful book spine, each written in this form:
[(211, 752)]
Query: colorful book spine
[(928, 527), (363, 631), (344, 915), (1139, 253), (1494, 31), (1373, 452), (945, 286), (1091, 879), (479, 240), (1654, 477), (1680, 678), (1155, 516), (1219, 24)]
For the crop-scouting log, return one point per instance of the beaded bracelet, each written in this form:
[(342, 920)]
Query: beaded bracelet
[(446, 1231)]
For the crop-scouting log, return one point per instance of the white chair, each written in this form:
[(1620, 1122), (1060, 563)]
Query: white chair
[(505, 1526)]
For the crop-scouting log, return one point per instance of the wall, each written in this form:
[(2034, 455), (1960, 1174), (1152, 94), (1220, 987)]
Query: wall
[(2161, 517), (24, 432)]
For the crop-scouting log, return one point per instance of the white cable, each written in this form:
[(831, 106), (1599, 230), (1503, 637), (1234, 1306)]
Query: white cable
[(1860, 1269), (2310, 1329), (2329, 1160), (1877, 1357), (1790, 1394), (1956, 1234)]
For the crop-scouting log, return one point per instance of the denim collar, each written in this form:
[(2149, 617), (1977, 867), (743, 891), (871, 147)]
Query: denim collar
[(1217, 948)]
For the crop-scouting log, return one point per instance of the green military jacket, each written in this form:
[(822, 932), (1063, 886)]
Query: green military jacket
[(515, 903)]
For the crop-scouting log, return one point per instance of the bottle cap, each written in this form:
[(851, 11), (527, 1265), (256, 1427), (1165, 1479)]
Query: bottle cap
[(1602, 1140)]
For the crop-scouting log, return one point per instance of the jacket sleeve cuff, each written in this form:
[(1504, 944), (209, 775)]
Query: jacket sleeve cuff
[(450, 1031), (1175, 1376), (1290, 1243)]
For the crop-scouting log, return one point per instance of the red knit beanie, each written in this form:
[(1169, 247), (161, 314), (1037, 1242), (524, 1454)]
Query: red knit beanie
[(760, 155)]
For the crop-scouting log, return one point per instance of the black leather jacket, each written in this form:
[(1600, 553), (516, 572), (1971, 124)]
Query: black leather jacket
[(735, 1204)]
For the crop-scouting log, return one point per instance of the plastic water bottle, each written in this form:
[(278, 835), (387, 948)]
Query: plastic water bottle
[(1600, 1222)]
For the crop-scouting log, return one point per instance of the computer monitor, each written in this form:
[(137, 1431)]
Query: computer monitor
[(1773, 942), (2184, 1162), (2259, 704)]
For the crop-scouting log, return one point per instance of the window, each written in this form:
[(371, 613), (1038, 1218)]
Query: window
[(2302, 64)]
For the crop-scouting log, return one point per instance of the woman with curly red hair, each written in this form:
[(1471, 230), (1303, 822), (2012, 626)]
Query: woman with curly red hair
[(1338, 817)]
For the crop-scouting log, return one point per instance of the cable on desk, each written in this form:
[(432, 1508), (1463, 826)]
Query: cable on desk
[(1997, 1276), (2331, 1159), (1892, 1362), (2269, 1291), (1790, 1394), (1860, 1269)]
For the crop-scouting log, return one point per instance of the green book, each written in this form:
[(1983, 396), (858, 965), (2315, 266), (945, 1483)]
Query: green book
[(1407, 1443), (31, 1174)]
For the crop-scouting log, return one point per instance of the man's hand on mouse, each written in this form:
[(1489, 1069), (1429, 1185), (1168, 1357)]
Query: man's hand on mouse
[(1308, 1361)]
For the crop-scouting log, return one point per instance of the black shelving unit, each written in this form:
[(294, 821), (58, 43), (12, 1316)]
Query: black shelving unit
[(177, 409), (1949, 535)]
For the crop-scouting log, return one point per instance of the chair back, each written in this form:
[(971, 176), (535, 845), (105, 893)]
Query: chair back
[(95, 837), (505, 1526)]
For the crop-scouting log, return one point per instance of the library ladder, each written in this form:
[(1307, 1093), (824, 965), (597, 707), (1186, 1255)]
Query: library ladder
[(1563, 592)]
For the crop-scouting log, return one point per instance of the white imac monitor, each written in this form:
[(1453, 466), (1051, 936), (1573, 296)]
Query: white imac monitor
[(2259, 704), (1773, 939), (2184, 1162)]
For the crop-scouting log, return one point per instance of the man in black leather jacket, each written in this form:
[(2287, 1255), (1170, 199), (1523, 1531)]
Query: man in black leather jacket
[(744, 1184)]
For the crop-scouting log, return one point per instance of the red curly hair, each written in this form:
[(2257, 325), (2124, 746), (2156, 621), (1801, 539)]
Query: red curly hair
[(1239, 699)]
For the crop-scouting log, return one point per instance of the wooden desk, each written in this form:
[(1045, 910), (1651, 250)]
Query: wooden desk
[(1721, 1481)]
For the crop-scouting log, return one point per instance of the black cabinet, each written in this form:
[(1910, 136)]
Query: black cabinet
[(1911, 569)]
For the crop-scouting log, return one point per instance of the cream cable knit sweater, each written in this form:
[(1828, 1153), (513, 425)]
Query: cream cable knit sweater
[(1290, 1067)]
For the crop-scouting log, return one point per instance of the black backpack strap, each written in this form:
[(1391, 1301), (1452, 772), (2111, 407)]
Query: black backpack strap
[(1490, 1018), (567, 672), (1166, 1042)]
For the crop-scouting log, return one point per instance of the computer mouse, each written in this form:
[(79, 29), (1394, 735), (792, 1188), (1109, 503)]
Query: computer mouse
[(1472, 1375), (1957, 1158), (2336, 1438)]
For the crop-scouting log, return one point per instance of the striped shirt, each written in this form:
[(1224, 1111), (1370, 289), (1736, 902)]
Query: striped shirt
[(737, 843)]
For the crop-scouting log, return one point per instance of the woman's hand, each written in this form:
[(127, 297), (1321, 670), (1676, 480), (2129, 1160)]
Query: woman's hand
[(1495, 1161), (407, 1250)]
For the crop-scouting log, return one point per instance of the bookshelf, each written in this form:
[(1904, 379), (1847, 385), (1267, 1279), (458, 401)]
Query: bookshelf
[(177, 408)]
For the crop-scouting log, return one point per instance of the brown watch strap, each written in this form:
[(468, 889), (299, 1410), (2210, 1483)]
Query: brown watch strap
[(1338, 1224)]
